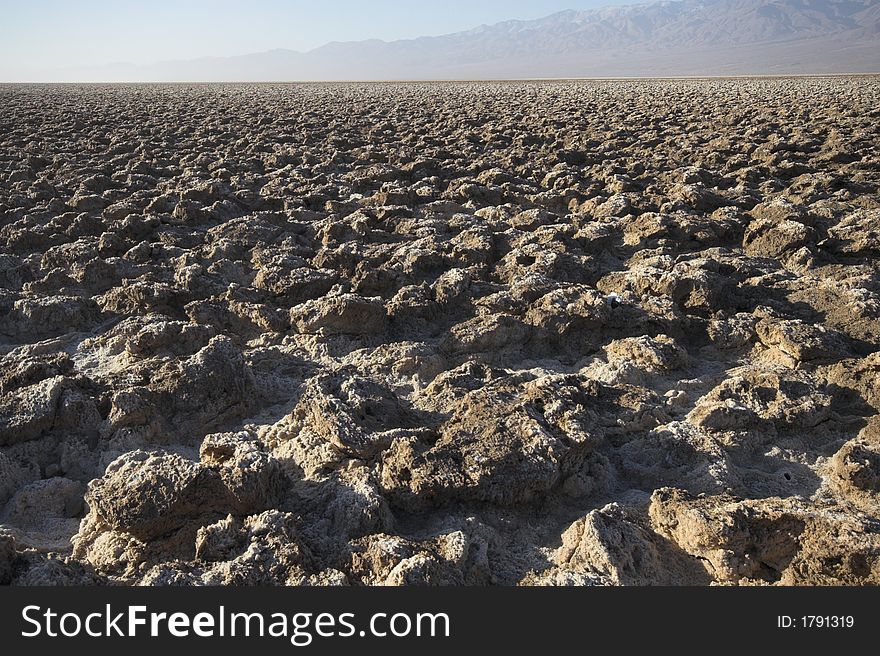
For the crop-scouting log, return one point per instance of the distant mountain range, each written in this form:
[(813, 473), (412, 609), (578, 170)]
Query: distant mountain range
[(689, 37)]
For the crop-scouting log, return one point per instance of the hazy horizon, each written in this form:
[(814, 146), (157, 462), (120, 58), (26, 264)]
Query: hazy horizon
[(272, 40), (47, 37)]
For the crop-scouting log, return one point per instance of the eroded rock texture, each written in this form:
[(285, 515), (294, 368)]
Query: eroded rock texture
[(549, 333)]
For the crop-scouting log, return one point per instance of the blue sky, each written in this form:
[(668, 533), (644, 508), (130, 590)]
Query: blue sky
[(45, 34)]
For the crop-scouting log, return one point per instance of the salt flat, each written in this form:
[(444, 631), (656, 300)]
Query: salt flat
[(607, 332)]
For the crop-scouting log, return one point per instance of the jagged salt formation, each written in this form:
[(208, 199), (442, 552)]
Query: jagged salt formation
[(540, 333)]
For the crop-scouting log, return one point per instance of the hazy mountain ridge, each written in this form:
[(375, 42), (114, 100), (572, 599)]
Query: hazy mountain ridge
[(690, 37)]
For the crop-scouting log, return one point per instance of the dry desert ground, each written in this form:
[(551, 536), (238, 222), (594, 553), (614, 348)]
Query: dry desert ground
[(572, 332)]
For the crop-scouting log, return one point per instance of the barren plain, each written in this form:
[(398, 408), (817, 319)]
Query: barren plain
[(548, 333)]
